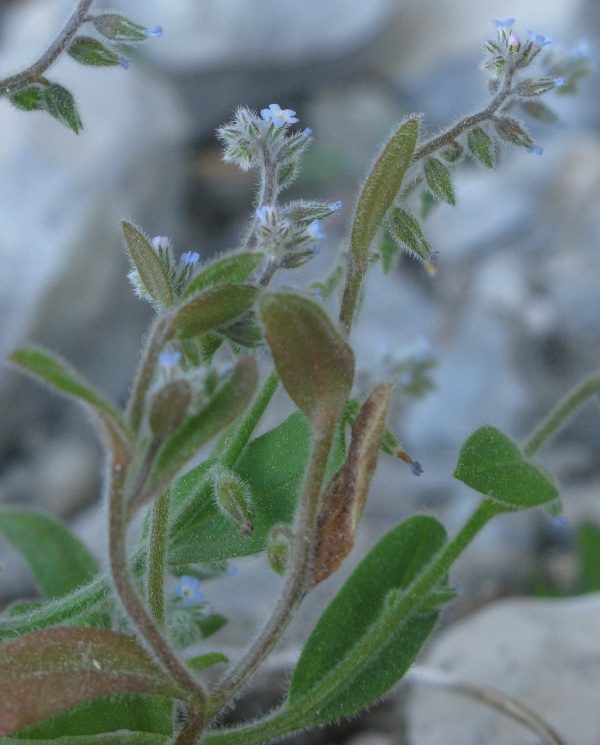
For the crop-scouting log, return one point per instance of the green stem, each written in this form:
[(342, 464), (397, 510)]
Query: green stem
[(369, 645), (157, 551), (558, 417), (33, 73)]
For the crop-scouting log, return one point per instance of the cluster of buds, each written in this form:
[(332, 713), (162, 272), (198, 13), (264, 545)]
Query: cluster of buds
[(508, 51), (179, 272)]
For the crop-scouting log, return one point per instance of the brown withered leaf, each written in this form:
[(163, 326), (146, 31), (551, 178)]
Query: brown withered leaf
[(344, 498)]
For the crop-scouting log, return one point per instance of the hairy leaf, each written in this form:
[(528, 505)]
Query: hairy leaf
[(148, 265), (60, 104), (483, 147), (211, 308), (89, 51), (226, 271), (439, 180), (406, 231)]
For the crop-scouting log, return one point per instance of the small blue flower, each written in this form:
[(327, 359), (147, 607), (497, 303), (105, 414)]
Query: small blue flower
[(188, 589), (315, 230), (538, 40), (169, 360), (508, 23), (278, 116), (535, 149), (160, 241), (124, 61), (266, 214), (337, 206), (230, 571), (415, 468), (156, 32), (189, 257), (307, 133), (560, 82)]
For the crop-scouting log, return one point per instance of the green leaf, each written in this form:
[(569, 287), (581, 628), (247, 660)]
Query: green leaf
[(493, 465), (223, 408), (483, 147), (439, 180), (58, 560), (27, 98), (148, 265), (48, 671), (382, 186), (205, 661), (314, 362), (531, 87), (106, 738), (588, 549), (427, 204), (49, 368), (388, 251), (273, 466), (211, 308), (453, 153), (210, 624), (512, 131), (405, 229), (60, 104), (227, 271), (134, 712), (355, 613), (118, 28), (89, 51)]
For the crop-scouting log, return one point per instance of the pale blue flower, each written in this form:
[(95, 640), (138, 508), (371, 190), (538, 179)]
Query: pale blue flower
[(188, 589), (415, 468), (160, 241), (536, 149), (315, 230), (508, 23), (278, 116), (124, 61), (307, 133), (190, 257), (155, 32), (337, 206), (560, 82), (169, 360), (538, 40), (265, 214)]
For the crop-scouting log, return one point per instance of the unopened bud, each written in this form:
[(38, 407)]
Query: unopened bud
[(278, 548), (116, 27), (233, 497), (169, 407)]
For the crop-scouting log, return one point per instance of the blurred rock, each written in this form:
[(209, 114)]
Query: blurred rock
[(543, 653)]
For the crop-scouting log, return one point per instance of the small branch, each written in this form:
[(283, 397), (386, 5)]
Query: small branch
[(565, 409), (33, 73)]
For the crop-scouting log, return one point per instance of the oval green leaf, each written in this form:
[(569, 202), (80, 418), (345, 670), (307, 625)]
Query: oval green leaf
[(89, 51), (48, 671), (227, 271), (148, 265), (405, 229), (388, 569), (60, 104), (57, 559), (211, 308), (314, 362), (439, 180), (493, 465), (483, 147)]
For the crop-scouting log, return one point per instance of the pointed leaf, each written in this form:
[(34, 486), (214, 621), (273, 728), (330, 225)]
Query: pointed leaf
[(27, 98), (51, 369), (493, 465), (58, 560), (149, 267), (483, 147), (211, 308), (406, 231), (205, 661), (227, 271), (315, 363), (382, 186), (439, 180), (273, 466), (60, 104), (223, 408), (512, 131), (118, 28), (89, 51), (354, 613), (48, 671)]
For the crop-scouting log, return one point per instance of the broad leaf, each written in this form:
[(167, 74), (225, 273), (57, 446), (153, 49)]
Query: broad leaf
[(60, 104), (223, 408), (213, 307), (89, 51), (48, 671), (49, 368), (354, 614), (382, 186), (28, 98), (227, 271), (148, 265), (439, 180), (493, 465), (314, 362), (58, 560), (483, 147), (273, 466)]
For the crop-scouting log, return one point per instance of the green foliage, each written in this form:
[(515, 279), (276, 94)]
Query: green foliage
[(58, 560), (60, 104), (406, 231), (483, 147), (148, 265), (89, 51), (439, 180), (211, 308), (228, 270)]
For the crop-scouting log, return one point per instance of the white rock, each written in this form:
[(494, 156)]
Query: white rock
[(544, 653)]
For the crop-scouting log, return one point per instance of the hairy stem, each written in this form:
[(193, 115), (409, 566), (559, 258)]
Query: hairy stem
[(157, 550), (33, 73), (565, 409)]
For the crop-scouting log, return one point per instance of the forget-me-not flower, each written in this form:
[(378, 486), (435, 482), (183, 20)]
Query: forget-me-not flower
[(504, 24), (315, 230), (537, 39), (169, 360), (278, 116), (155, 32), (536, 149), (190, 257), (188, 589), (265, 213)]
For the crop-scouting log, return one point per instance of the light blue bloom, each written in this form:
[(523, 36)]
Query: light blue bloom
[(415, 468), (156, 32), (508, 23), (560, 82), (265, 214), (188, 589), (307, 133), (169, 360), (535, 149), (278, 116), (124, 61), (337, 206), (160, 241), (315, 230), (537, 39), (190, 257)]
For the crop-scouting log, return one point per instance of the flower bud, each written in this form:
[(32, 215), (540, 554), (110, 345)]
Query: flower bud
[(233, 497), (169, 407), (278, 548), (116, 27)]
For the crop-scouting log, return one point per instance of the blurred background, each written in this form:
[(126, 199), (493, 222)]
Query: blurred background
[(512, 316)]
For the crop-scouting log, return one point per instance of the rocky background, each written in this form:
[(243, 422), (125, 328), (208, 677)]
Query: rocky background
[(513, 315)]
